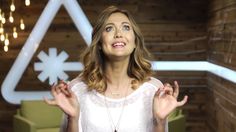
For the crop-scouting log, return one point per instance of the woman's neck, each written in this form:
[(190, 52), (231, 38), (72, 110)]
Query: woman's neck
[(118, 81), (116, 72)]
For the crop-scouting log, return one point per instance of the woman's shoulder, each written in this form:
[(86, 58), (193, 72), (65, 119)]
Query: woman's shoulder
[(155, 82), (76, 84)]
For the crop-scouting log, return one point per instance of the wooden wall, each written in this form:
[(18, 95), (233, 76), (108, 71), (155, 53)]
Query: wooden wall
[(173, 30), (221, 104)]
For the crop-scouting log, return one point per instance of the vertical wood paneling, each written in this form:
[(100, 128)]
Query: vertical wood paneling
[(221, 106)]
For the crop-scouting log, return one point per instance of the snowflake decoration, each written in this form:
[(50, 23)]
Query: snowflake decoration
[(53, 66)]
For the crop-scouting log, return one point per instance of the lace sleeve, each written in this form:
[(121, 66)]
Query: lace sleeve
[(78, 87), (156, 83)]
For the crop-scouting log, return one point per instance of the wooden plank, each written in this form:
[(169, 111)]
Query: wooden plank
[(222, 88), (222, 94), (227, 60)]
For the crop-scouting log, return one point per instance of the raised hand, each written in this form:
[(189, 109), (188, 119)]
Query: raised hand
[(165, 101), (64, 98)]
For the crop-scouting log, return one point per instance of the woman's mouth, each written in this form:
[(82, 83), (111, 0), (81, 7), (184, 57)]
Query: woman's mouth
[(118, 44)]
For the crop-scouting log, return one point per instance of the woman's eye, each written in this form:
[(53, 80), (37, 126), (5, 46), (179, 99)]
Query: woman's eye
[(108, 29), (126, 27)]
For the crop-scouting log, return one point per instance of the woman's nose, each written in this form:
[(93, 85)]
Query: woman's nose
[(118, 34)]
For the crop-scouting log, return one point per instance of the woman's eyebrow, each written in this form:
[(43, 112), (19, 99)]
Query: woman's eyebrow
[(114, 24), (125, 23), (109, 24)]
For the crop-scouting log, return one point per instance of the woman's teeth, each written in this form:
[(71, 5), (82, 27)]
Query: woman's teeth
[(118, 44)]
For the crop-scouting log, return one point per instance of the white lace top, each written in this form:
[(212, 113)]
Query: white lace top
[(101, 114)]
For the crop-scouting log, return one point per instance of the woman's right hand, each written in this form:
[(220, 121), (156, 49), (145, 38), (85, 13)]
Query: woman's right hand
[(64, 98)]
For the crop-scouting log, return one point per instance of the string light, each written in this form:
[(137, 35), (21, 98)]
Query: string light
[(15, 35), (1, 28), (2, 37), (12, 6), (5, 48), (6, 41), (22, 25), (27, 2), (3, 18), (0, 14), (11, 19)]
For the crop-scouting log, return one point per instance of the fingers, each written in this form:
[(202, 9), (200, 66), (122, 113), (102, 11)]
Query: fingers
[(168, 89), (53, 90), (50, 102), (172, 91), (70, 93), (157, 94), (176, 89), (61, 87), (181, 103), (65, 89)]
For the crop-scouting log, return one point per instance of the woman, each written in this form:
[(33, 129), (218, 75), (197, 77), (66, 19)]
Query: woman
[(115, 91)]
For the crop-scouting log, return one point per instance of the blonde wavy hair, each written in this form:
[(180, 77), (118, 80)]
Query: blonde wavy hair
[(93, 74)]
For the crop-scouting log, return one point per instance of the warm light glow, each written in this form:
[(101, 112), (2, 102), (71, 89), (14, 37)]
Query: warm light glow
[(27, 2), (6, 42), (11, 19), (12, 6), (2, 37), (3, 18), (0, 14), (22, 25), (1, 29), (15, 35), (5, 48)]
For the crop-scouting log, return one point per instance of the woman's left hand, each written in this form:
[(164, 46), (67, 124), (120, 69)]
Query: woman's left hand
[(165, 101)]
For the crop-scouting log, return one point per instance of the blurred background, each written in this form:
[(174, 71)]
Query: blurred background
[(174, 30)]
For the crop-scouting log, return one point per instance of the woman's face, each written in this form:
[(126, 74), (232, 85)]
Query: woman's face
[(118, 39)]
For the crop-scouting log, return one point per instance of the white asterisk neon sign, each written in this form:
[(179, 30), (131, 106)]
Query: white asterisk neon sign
[(53, 66)]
